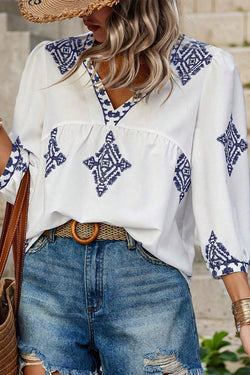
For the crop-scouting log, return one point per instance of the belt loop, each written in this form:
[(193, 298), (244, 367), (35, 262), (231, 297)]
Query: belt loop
[(52, 235), (131, 242)]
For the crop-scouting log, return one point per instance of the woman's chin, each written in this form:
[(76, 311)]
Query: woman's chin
[(98, 35)]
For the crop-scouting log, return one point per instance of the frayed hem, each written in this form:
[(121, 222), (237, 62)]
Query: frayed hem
[(198, 371), (25, 350), (162, 361), (157, 370)]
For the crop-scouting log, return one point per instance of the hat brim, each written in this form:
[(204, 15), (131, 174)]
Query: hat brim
[(43, 11)]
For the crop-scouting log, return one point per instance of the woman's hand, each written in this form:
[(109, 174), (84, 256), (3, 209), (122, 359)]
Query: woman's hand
[(245, 338), (238, 288)]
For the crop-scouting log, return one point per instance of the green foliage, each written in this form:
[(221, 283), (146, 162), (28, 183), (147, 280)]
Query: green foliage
[(242, 371), (214, 357), (244, 359), (246, 43)]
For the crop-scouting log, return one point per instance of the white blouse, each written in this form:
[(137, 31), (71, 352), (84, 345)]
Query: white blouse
[(159, 169)]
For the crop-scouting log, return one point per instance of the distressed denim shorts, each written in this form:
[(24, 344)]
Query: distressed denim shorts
[(106, 308)]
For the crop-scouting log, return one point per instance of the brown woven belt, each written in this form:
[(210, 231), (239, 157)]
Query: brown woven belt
[(85, 233)]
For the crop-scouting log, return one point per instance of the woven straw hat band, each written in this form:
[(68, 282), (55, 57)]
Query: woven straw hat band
[(43, 11)]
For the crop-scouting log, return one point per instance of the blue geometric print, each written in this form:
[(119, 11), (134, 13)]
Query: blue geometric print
[(234, 145), (107, 165), (21, 165), (15, 163), (109, 113), (220, 261), (18, 143), (53, 157), (182, 177), (189, 59), (65, 52)]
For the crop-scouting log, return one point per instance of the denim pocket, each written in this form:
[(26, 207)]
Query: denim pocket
[(39, 244), (148, 256)]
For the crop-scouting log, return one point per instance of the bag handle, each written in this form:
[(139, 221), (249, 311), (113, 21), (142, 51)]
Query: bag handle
[(14, 232)]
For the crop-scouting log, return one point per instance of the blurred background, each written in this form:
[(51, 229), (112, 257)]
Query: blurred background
[(224, 23)]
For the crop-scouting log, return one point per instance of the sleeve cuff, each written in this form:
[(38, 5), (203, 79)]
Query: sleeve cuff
[(219, 261), (16, 163)]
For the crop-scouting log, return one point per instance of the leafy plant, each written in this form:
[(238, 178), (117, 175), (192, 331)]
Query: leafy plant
[(215, 358), (243, 358), (246, 43)]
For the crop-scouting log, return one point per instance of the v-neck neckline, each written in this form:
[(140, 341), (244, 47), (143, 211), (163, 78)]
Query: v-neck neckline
[(111, 115), (98, 81)]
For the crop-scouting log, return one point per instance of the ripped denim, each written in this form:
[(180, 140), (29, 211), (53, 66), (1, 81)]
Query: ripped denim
[(107, 308)]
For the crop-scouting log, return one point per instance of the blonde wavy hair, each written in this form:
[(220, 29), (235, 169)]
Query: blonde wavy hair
[(137, 30)]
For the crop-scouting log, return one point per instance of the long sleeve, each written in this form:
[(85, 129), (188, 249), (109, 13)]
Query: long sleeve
[(220, 170), (27, 125)]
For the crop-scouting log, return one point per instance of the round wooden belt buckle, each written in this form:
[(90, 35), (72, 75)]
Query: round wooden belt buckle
[(84, 241)]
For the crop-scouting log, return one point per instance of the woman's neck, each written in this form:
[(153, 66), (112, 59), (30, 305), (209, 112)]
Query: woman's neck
[(121, 95)]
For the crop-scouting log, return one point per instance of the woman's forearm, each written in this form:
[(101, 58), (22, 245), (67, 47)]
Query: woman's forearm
[(238, 288), (237, 285), (5, 149)]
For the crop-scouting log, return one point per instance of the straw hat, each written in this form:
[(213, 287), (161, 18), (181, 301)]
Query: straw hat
[(43, 11)]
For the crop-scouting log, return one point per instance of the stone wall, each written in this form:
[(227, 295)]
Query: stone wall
[(209, 6)]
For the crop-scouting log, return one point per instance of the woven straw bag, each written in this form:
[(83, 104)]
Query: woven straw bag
[(13, 232), (8, 342)]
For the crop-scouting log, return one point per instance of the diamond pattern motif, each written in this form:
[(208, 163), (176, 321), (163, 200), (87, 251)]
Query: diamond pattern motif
[(66, 51), (234, 145), (189, 59), (53, 157), (182, 178), (107, 165)]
